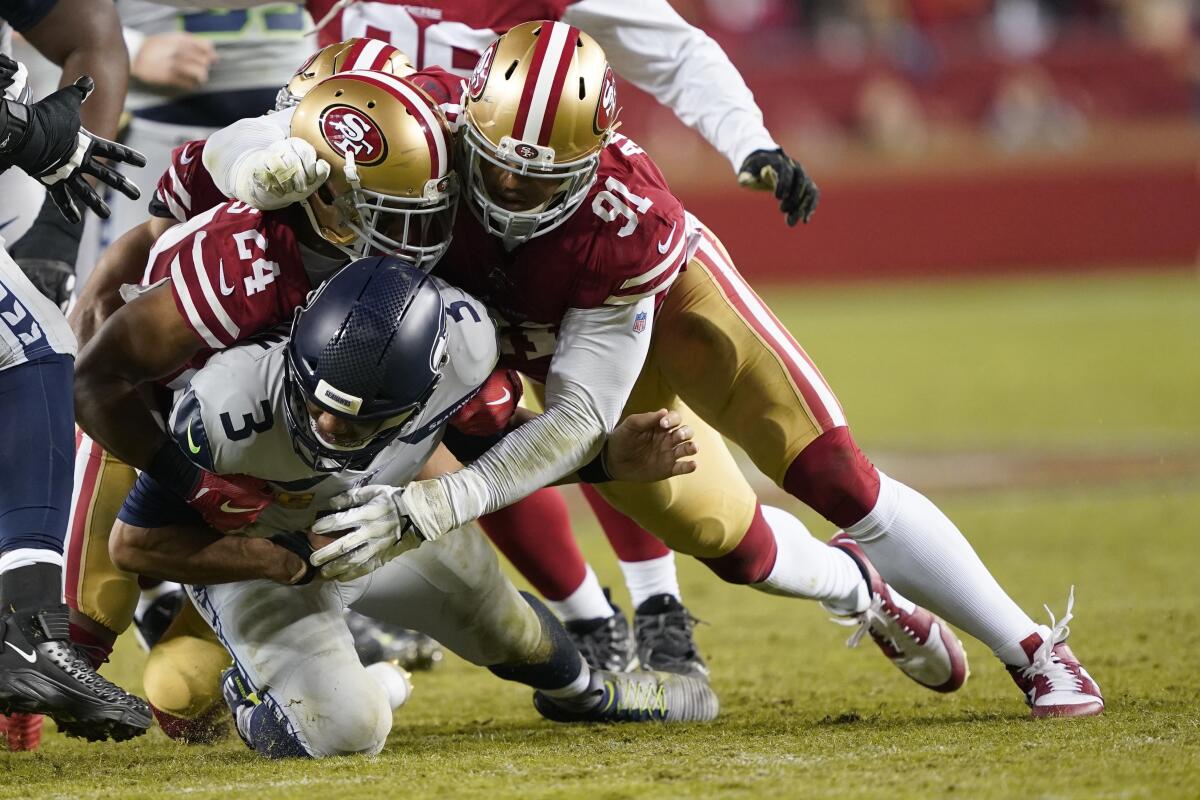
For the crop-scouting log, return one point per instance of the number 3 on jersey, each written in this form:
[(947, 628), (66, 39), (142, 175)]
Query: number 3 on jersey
[(615, 200)]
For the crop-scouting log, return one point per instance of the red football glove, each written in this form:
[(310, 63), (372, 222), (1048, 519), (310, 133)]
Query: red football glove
[(229, 502), (489, 411)]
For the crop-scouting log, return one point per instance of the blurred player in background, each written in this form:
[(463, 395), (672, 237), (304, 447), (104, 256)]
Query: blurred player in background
[(655, 49), (40, 669)]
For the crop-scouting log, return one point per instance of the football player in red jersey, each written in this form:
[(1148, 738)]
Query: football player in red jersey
[(580, 248)]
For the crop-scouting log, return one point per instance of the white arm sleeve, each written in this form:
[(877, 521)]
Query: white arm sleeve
[(656, 50), (598, 358), (225, 149)]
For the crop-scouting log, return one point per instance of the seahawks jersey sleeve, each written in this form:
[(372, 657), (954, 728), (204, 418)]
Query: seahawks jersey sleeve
[(229, 419), (185, 189), (472, 351), (234, 271)]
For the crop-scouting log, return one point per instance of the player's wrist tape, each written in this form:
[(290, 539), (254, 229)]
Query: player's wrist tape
[(595, 471), (171, 467), (297, 543)]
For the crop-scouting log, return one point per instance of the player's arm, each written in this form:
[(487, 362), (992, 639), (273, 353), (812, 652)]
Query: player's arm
[(655, 49), (197, 553), (599, 355), (122, 262)]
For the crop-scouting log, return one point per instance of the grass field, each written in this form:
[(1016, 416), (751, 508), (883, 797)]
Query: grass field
[(1095, 367)]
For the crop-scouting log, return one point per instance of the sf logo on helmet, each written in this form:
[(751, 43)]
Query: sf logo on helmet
[(351, 132), (606, 109), (480, 75)]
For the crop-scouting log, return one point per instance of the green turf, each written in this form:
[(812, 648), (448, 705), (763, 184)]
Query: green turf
[(1081, 363)]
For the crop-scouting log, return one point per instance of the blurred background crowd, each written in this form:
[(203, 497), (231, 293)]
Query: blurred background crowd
[(961, 135)]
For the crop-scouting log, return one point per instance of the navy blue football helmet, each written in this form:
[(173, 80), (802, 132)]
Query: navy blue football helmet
[(368, 348)]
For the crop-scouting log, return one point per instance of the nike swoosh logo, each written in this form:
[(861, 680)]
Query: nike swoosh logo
[(225, 290), (502, 400), (184, 158), (31, 656), (191, 443), (664, 246), (228, 509)]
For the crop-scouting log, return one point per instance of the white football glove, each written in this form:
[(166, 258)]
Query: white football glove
[(278, 175), (379, 530)]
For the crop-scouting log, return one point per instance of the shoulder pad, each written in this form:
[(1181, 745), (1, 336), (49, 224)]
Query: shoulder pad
[(188, 431)]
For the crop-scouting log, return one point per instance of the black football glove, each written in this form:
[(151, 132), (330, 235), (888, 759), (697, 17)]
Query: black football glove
[(53, 278), (13, 80), (775, 169), (45, 140)]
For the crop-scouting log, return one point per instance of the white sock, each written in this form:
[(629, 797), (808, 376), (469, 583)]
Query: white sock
[(27, 556), (648, 578), (394, 681), (807, 567), (148, 596), (586, 602), (917, 549)]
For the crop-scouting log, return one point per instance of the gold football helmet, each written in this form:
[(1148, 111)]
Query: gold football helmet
[(541, 105), (391, 186), (356, 53)]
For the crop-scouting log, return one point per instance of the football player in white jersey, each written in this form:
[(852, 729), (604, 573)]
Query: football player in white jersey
[(359, 393)]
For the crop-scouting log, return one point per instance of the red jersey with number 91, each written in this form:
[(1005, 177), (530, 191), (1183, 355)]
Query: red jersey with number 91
[(626, 241)]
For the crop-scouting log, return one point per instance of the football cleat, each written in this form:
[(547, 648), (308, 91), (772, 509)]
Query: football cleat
[(376, 641), (153, 619), (663, 628), (635, 697), (918, 642), (42, 672), (604, 642), (241, 701), (21, 732), (1055, 684)]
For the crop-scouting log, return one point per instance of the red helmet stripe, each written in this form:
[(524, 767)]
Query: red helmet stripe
[(352, 54), (419, 107), (556, 88), (531, 80), (385, 52)]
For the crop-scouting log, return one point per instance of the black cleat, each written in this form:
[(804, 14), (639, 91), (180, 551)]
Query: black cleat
[(154, 620), (663, 629), (605, 642), (41, 672), (376, 641), (635, 697)]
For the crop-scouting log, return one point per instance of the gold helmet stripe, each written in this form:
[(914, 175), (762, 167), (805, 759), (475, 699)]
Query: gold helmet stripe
[(368, 54), (420, 107), (544, 82)]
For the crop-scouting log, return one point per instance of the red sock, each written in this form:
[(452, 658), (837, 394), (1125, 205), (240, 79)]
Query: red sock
[(95, 649), (204, 729), (628, 539), (535, 535), (834, 478), (754, 557)]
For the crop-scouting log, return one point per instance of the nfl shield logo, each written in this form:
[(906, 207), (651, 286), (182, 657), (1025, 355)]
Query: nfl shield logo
[(639, 322)]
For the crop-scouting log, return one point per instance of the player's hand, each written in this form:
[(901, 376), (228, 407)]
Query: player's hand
[(53, 278), (174, 60), (377, 529), (229, 502), (299, 545), (492, 407), (776, 170), (273, 177), (650, 447), (46, 141)]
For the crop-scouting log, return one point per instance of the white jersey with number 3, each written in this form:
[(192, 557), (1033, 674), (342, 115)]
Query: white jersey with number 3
[(231, 418)]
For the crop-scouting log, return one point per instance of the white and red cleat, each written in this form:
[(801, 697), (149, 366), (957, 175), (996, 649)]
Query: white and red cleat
[(918, 642), (1055, 684), (22, 731)]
